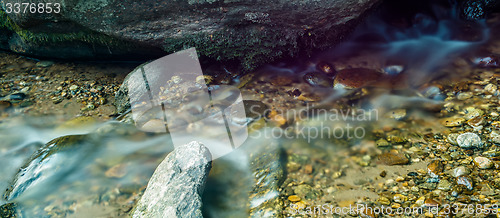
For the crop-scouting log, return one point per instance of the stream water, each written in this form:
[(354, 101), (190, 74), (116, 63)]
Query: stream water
[(52, 167)]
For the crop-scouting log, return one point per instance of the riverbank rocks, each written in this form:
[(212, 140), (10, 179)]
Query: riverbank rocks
[(177, 184), (224, 30)]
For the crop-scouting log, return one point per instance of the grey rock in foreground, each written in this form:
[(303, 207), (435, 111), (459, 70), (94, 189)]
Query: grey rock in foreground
[(469, 140), (177, 184)]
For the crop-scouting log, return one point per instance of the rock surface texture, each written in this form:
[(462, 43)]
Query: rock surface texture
[(177, 184), (250, 32)]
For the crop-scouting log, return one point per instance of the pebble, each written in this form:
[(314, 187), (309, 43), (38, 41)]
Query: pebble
[(466, 181), (394, 69), (476, 122), (464, 96), (486, 61), (318, 79), (420, 201), (491, 88), (293, 198), (382, 143), (17, 96), (483, 162), (452, 121), (73, 87), (429, 202), (399, 198), (472, 112), (460, 171), (326, 68), (469, 140), (384, 201), (434, 168), (398, 114), (393, 159), (444, 185)]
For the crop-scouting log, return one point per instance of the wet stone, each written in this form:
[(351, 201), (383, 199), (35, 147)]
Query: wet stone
[(382, 143), (483, 162), (384, 201), (464, 96), (487, 61), (452, 121), (466, 181), (444, 185), (399, 198), (326, 68), (293, 198), (17, 96), (73, 87), (472, 112), (491, 88), (434, 168), (460, 171), (393, 159), (469, 140), (318, 79), (398, 114)]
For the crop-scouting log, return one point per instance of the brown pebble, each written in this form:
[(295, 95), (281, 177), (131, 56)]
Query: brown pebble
[(452, 121), (431, 203), (383, 174), (392, 158), (434, 168), (293, 198), (308, 169)]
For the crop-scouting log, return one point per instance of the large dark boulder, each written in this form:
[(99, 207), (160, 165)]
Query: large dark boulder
[(251, 32)]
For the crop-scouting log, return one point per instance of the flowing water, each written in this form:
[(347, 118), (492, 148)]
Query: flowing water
[(326, 149)]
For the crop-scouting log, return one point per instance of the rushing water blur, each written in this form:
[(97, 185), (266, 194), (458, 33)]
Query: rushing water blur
[(116, 160)]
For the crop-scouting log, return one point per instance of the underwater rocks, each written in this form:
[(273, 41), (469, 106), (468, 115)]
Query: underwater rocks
[(177, 184), (223, 30)]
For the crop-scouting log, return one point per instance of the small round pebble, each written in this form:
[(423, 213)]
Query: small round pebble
[(483, 162), (293, 198), (460, 171)]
